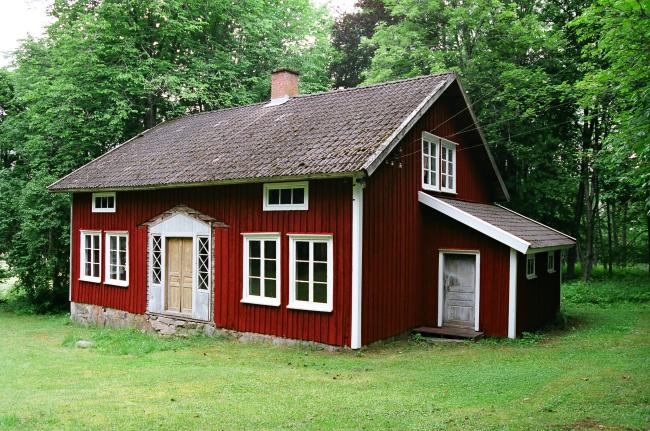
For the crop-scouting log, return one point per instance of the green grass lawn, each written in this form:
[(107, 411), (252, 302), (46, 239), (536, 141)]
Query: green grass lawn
[(594, 374)]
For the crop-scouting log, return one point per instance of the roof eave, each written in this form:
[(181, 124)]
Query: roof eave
[(351, 174), (476, 223), (391, 142)]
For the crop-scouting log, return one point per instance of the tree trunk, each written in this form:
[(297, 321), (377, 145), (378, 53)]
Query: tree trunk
[(572, 255), (590, 139), (624, 236), (150, 119), (609, 239), (648, 221)]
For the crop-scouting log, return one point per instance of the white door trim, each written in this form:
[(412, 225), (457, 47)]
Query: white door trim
[(180, 225), (477, 282)]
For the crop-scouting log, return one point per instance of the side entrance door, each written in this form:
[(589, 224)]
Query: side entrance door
[(459, 284), (179, 275)]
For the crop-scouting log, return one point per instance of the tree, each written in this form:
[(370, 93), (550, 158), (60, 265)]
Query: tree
[(513, 69), (108, 69), (348, 33), (619, 43)]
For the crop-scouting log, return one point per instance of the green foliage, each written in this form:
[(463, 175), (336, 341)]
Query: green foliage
[(107, 70), (509, 62), (595, 373), (133, 342), (629, 285), (616, 35), (348, 33)]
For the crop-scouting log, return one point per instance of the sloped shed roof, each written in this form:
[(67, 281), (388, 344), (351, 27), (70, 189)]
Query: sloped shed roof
[(504, 225)]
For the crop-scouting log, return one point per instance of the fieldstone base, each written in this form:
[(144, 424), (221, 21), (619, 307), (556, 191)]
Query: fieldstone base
[(88, 314)]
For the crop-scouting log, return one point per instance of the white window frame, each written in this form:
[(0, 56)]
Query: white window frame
[(104, 195), (283, 186), (247, 298), (550, 262), (208, 285), (434, 142), (82, 256), (309, 305), (107, 259), (451, 146), (530, 274)]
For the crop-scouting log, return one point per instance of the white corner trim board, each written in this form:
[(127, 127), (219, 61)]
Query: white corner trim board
[(512, 295), (474, 222), (357, 248)]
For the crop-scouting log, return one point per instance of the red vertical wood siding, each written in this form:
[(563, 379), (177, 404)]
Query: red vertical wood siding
[(401, 239), (538, 299), (445, 233), (240, 207)]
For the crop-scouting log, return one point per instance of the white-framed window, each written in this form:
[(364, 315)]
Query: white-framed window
[(438, 163), (156, 259), (430, 157), (447, 166), (530, 266), (117, 259), (550, 262), (311, 272), (91, 261), (104, 202), (286, 196), (261, 269), (203, 262)]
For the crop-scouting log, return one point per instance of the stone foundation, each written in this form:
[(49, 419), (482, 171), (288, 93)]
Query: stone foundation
[(88, 314)]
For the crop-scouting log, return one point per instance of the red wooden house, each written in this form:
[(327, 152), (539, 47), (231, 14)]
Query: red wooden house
[(341, 218)]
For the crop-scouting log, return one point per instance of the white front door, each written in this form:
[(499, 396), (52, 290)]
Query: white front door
[(459, 290)]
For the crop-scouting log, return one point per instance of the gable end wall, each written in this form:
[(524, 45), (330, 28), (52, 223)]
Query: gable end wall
[(397, 267)]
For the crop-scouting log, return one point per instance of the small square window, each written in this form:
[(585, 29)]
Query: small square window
[(550, 262), (286, 196), (530, 266), (103, 202)]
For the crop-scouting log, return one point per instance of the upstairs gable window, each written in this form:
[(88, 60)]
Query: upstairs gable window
[(438, 163), (430, 151), (286, 196), (104, 202)]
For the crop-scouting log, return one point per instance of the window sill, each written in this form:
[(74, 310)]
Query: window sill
[(449, 192), (531, 277), (323, 308), (254, 301), (551, 271), (430, 188), (285, 208), (91, 280), (117, 283)]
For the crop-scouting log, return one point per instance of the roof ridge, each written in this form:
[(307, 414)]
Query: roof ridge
[(369, 86)]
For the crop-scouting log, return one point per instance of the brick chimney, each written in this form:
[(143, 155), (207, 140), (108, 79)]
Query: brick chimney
[(284, 83)]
